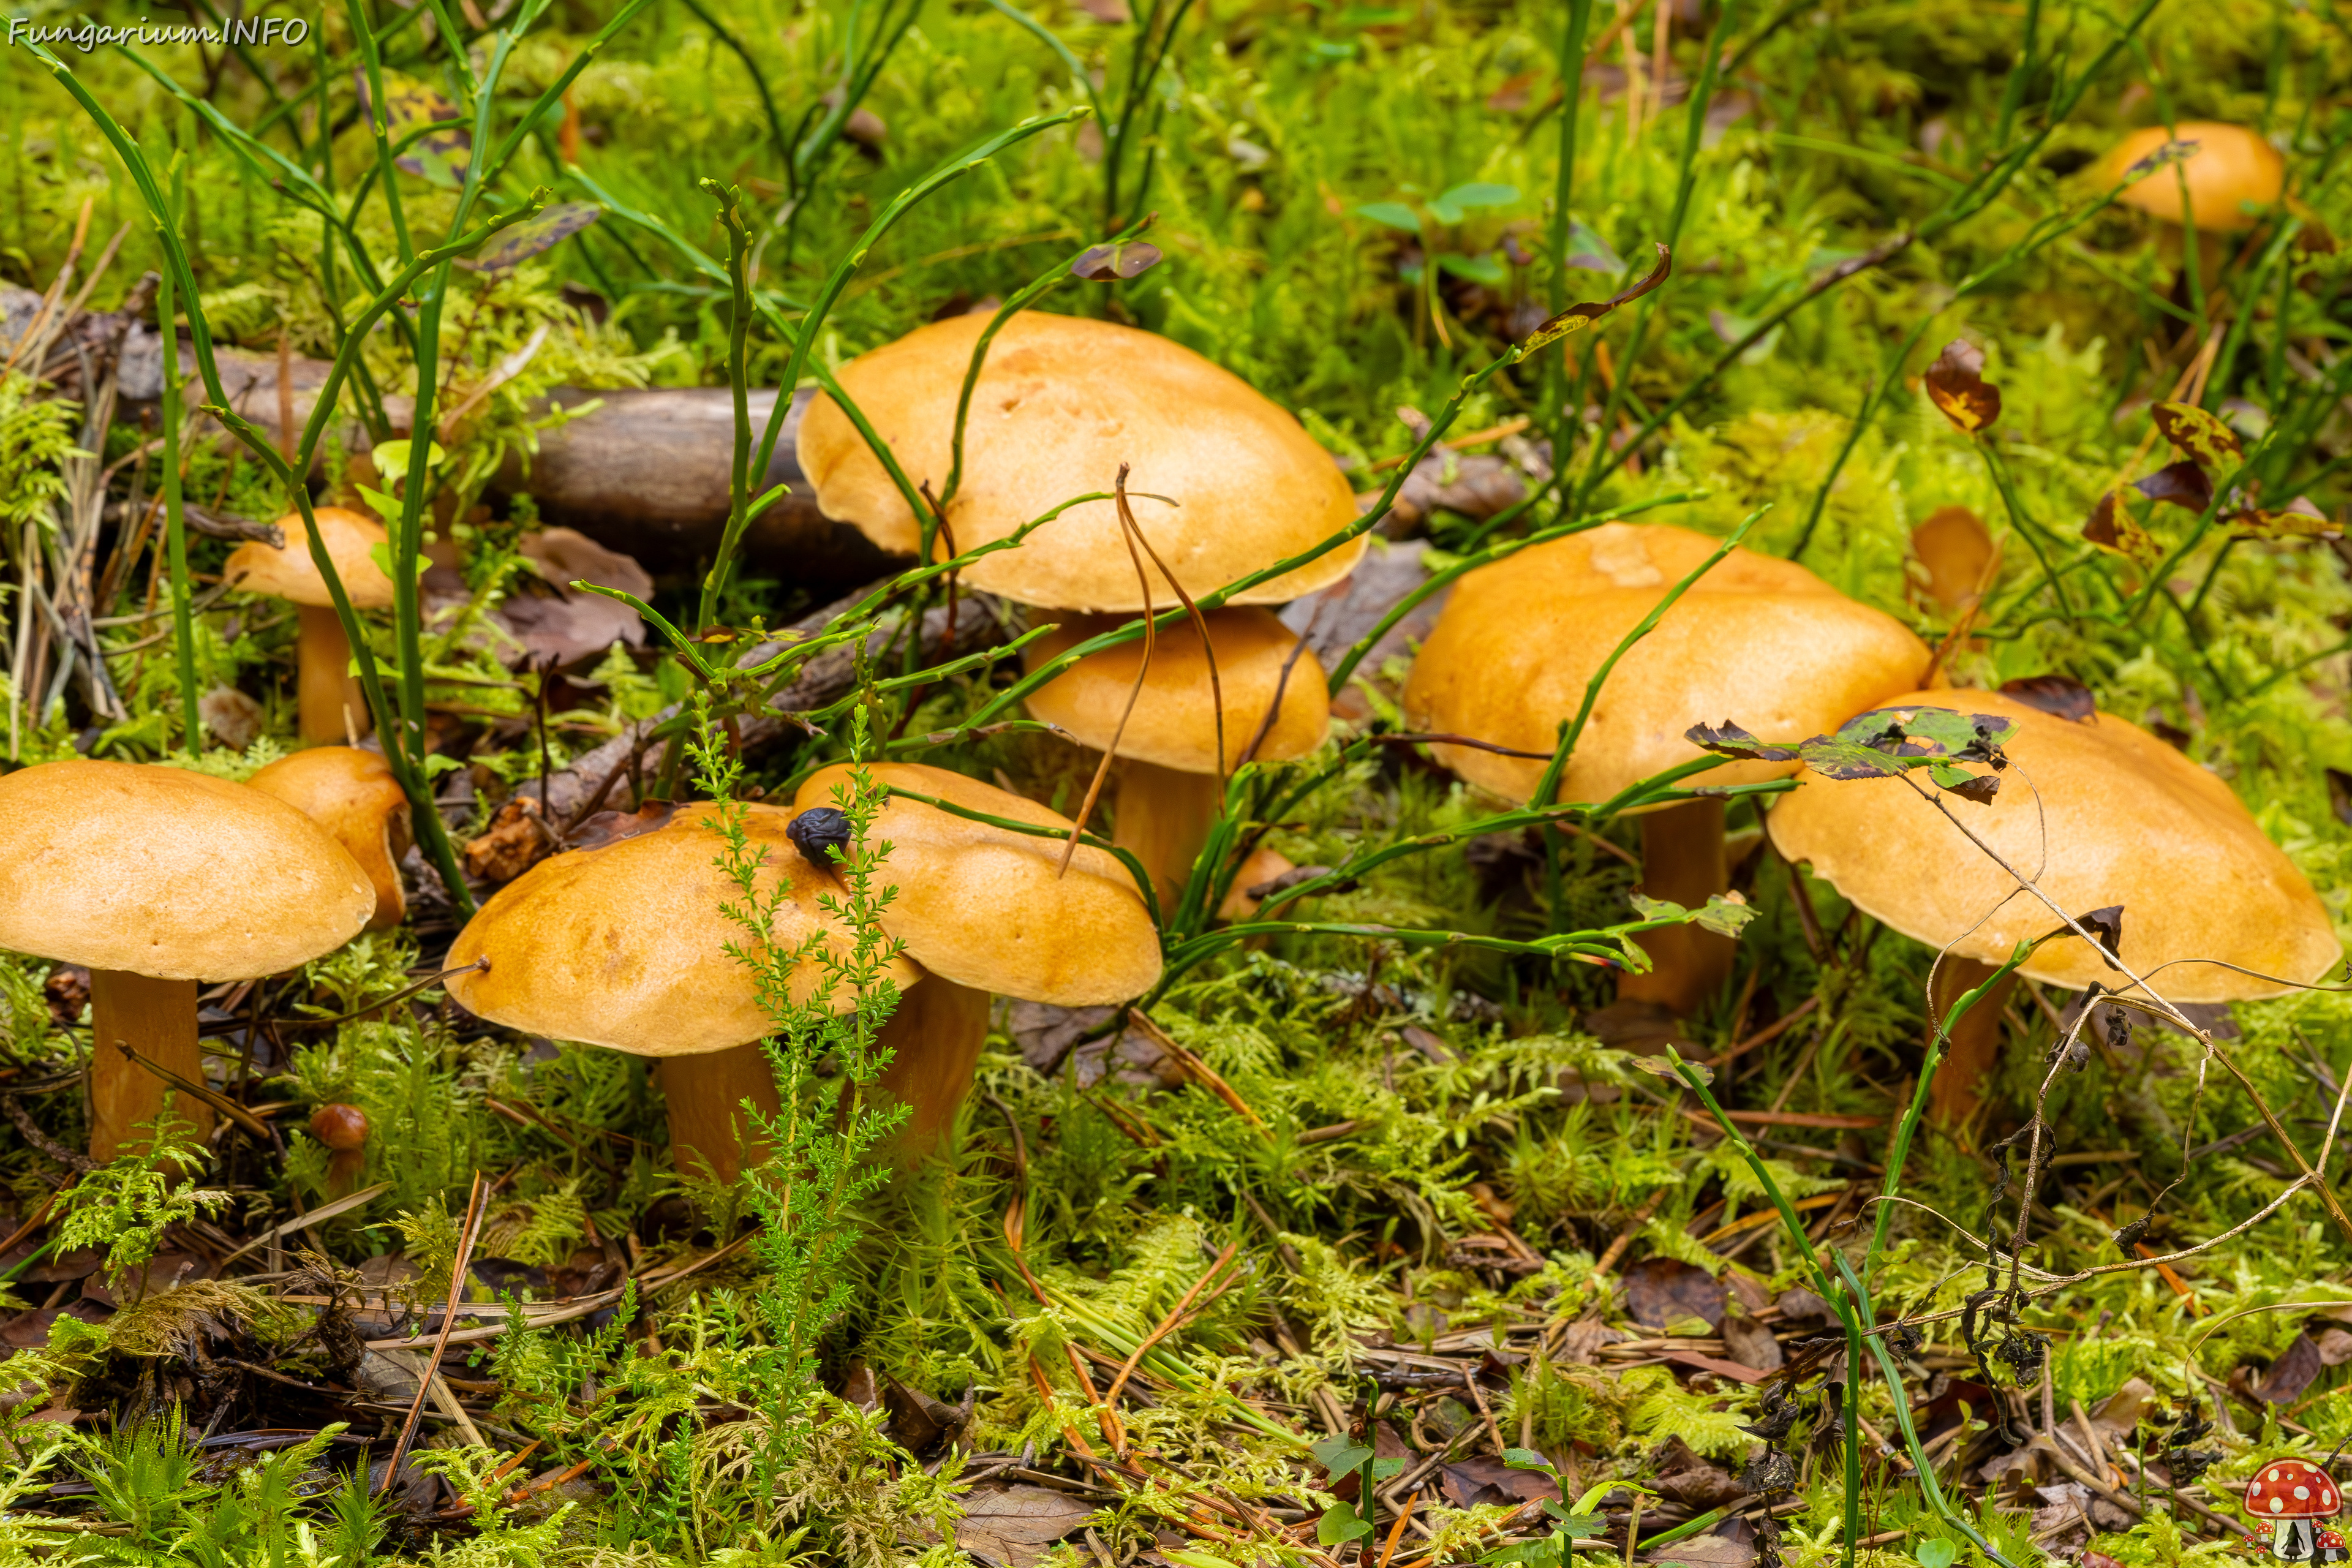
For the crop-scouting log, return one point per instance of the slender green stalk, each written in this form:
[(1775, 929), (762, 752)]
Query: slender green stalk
[(175, 519), (722, 566), (1852, 1305), (1922, 1469), (2012, 97), (1909, 1125), (739, 375), (2024, 526), (1572, 79), (1686, 182), (751, 69), (1030, 293), (407, 767), (1988, 187)]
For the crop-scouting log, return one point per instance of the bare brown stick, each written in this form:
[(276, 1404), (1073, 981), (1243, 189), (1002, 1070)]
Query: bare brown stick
[(1771, 1031), (476, 1201), (1127, 532), (1199, 621), (1202, 1073), (1167, 1325)]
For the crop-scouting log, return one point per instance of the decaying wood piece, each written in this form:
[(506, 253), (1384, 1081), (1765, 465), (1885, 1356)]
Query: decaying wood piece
[(644, 471), (601, 778)]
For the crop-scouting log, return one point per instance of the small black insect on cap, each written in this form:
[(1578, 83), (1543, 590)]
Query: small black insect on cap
[(818, 832)]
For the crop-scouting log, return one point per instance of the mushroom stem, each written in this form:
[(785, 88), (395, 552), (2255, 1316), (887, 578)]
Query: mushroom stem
[(1682, 860), (157, 1018), (1975, 1041), (937, 1032), (709, 1134), (1164, 815), (324, 689)]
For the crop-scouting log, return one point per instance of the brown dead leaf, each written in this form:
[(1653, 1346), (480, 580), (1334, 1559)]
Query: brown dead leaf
[(1959, 554), (2112, 526), (516, 842), (1698, 1484), (1750, 1343), (231, 717), (1662, 1291), (2061, 696), (2296, 1369), (1012, 1526), (1802, 1305), (1583, 1337), (611, 826), (1469, 1483), (1704, 1551), (1044, 1033), (1956, 387), (2122, 1411), (2299, 519), (2183, 484), (2199, 435)]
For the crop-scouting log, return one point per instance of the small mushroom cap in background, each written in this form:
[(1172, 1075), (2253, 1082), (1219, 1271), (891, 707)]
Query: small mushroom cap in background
[(2128, 821), (1061, 403), (290, 573), (2231, 169), (168, 873), (981, 905), (1758, 639), (624, 945), (351, 792), (1174, 722)]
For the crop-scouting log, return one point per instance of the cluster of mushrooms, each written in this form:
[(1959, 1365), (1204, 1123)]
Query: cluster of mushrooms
[(155, 878)]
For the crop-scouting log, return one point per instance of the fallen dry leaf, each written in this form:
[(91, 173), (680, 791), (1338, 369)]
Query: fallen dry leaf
[(1012, 1526), (1956, 384), (1750, 1343), (1662, 1291), (515, 843)]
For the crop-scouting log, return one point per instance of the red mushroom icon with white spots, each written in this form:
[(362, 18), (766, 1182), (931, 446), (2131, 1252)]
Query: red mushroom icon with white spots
[(2293, 1496)]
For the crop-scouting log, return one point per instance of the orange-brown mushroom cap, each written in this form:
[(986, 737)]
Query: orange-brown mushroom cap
[(163, 872), (290, 573), (1061, 402), (981, 905), (624, 945), (1758, 639), (2232, 170), (1174, 722), (351, 792), (2100, 813)]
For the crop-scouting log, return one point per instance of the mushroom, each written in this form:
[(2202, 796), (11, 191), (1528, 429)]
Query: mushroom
[(1061, 402), (2232, 171), (1169, 792), (153, 877), (330, 702), (984, 911), (2293, 1496), (624, 946), (1758, 639), (344, 1128), (351, 794), (2109, 815), (1260, 868)]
